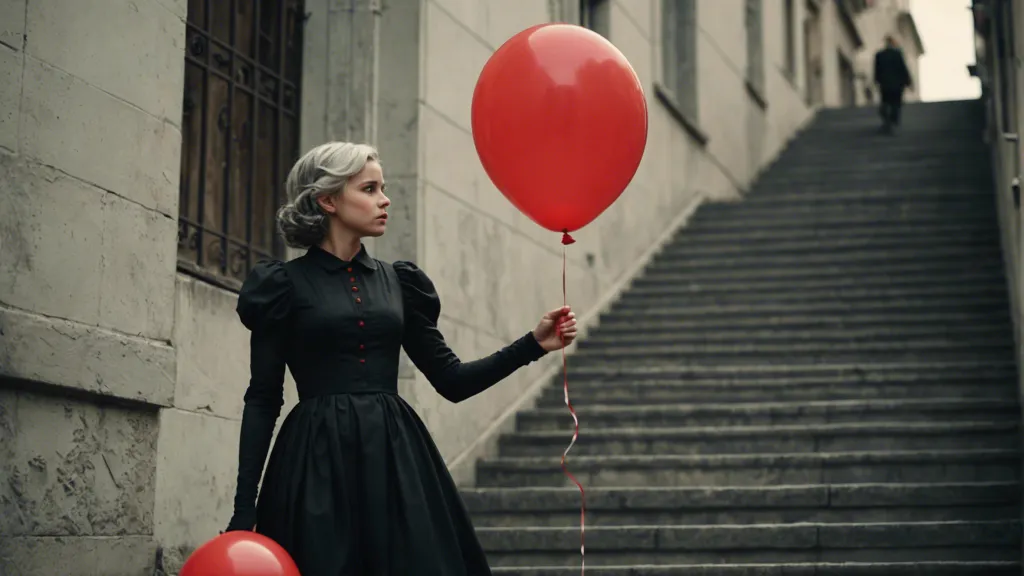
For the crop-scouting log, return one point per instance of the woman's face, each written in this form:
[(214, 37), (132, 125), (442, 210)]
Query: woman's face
[(361, 206)]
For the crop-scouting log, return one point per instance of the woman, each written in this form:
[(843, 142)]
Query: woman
[(355, 484)]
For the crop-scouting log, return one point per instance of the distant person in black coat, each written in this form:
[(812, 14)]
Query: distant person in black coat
[(892, 77)]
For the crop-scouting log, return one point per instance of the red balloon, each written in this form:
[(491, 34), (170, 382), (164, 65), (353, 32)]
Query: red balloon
[(560, 123), (240, 553)]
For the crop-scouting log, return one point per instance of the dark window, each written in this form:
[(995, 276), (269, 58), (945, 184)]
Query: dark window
[(789, 33), (755, 45), (679, 54), (596, 15), (239, 132)]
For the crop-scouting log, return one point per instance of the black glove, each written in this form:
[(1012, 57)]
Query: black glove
[(242, 520)]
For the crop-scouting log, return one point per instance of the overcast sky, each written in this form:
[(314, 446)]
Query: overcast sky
[(948, 37)]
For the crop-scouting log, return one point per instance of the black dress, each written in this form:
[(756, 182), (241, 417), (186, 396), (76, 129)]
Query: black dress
[(354, 484)]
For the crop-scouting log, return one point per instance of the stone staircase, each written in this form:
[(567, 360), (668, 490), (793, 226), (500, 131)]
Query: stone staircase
[(819, 380)]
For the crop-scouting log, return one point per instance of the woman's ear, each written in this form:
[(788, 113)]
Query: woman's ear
[(326, 202)]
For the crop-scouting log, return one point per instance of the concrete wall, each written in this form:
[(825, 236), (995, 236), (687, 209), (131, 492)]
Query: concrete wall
[(90, 107), (1007, 157), (121, 379)]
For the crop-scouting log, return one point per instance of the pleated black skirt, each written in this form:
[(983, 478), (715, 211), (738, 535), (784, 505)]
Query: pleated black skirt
[(356, 486)]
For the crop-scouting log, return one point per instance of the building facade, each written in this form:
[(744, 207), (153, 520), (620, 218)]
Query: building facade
[(142, 150), (999, 46)]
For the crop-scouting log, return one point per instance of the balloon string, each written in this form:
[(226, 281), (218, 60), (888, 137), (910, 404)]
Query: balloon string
[(566, 240)]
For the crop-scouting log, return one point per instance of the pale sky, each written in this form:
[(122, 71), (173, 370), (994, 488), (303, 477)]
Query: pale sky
[(947, 33)]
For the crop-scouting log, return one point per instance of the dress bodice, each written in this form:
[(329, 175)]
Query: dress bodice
[(341, 323), (339, 327)]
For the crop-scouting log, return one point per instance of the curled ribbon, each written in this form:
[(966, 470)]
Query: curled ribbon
[(566, 240)]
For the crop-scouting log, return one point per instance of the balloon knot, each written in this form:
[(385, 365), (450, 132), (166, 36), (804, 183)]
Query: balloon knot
[(566, 239)]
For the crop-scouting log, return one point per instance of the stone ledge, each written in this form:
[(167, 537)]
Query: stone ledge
[(86, 358), (77, 556)]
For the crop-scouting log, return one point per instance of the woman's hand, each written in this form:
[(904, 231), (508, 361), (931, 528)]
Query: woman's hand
[(242, 520), (556, 329)]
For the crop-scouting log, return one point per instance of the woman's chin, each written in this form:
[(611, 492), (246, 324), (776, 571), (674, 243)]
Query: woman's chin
[(376, 230)]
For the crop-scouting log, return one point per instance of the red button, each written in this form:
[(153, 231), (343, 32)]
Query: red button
[(349, 269), (359, 300), (352, 279), (362, 346), (361, 323), (362, 360), (355, 288)]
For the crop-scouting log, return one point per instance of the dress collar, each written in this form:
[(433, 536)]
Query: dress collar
[(332, 263)]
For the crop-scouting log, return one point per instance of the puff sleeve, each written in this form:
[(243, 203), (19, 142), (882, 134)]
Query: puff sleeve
[(263, 307), (453, 379)]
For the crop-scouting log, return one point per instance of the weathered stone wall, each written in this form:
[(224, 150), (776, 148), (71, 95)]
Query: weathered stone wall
[(90, 98)]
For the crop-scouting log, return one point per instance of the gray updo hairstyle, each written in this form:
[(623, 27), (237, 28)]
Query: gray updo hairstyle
[(323, 170)]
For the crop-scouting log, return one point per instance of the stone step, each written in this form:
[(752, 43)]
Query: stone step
[(884, 169), (982, 568), (944, 466), (941, 272), (739, 238), (805, 542), (838, 221), (921, 348), (935, 410), (860, 371), (830, 163), (867, 141), (880, 192), (772, 202), (675, 319), (632, 392), (696, 294), (684, 248), (645, 334), (711, 505), (974, 282), (972, 178), (951, 255), (900, 311), (884, 215), (777, 439)]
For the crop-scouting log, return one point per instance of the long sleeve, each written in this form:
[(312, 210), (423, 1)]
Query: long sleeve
[(453, 379), (263, 305)]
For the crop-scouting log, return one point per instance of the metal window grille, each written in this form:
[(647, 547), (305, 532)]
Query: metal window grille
[(240, 119)]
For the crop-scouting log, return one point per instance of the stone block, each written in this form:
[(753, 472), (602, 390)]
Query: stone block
[(177, 7), (504, 21), (137, 269), (315, 58), (452, 63), (92, 135), (53, 242), (133, 50), (10, 95), (85, 357), (399, 105), (197, 460), (12, 29), (74, 468), (213, 350), (350, 80), (640, 16), (77, 556)]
